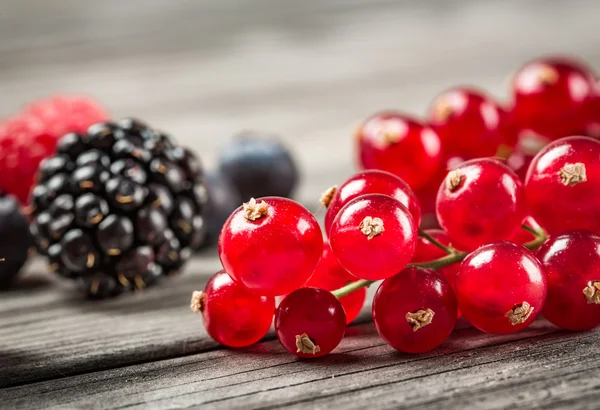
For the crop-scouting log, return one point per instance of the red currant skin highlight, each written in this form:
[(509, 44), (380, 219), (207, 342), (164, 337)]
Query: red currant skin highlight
[(501, 287), (373, 236), (572, 263), (480, 201), (415, 310), (399, 144), (271, 245), (330, 275), (563, 185), (310, 322), (370, 182), (552, 96), (426, 252), (233, 316), (469, 123)]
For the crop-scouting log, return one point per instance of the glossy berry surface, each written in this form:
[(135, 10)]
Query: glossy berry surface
[(15, 240), (233, 316), (330, 275), (373, 236), (310, 322), (470, 124), (572, 263), (426, 252), (259, 165), (551, 97), (501, 287), (563, 185), (271, 245), (104, 215), (415, 310), (480, 201), (370, 182), (399, 144), (519, 162)]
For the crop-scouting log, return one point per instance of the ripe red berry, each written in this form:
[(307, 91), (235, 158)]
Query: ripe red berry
[(271, 245), (551, 97), (233, 316), (397, 143), (501, 287), (572, 261), (330, 275), (563, 185), (480, 201), (310, 322), (469, 123), (373, 236), (370, 182), (519, 162), (426, 252), (522, 236), (415, 310)]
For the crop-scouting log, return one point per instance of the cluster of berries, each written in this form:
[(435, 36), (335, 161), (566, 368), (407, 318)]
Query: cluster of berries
[(509, 249)]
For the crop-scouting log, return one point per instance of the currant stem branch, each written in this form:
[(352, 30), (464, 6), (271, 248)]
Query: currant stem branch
[(435, 242)]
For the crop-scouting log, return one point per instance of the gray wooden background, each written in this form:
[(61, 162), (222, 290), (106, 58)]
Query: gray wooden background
[(309, 70)]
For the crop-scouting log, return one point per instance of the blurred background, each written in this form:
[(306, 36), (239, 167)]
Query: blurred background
[(308, 70)]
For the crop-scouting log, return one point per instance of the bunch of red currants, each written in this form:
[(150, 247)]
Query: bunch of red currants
[(507, 251)]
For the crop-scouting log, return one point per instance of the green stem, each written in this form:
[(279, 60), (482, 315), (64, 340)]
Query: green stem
[(435, 242)]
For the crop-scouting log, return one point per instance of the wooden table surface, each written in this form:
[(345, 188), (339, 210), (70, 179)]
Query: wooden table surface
[(309, 70)]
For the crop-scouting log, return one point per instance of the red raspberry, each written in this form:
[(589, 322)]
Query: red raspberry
[(29, 137)]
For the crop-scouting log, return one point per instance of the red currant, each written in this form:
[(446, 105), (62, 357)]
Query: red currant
[(330, 275), (501, 287), (426, 252), (233, 316), (551, 97), (415, 310), (469, 123), (271, 245), (523, 236), (397, 143), (572, 263), (480, 201), (370, 182), (593, 125), (519, 162), (310, 322), (563, 185), (373, 236)]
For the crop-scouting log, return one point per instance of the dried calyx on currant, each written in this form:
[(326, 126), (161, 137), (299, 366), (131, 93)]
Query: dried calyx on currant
[(118, 207)]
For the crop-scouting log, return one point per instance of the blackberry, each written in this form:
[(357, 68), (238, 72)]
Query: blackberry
[(15, 240), (118, 207)]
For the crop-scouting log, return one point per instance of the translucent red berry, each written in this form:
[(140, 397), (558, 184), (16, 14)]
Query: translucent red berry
[(469, 123), (370, 182), (271, 245), (572, 264), (373, 236), (551, 97), (426, 252), (233, 316), (310, 322), (563, 185), (397, 143), (501, 287), (330, 275), (480, 201), (415, 310)]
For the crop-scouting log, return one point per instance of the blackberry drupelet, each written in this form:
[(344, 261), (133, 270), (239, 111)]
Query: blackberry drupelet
[(119, 207), (15, 240)]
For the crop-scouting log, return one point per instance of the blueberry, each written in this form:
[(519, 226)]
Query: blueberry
[(223, 199), (15, 239)]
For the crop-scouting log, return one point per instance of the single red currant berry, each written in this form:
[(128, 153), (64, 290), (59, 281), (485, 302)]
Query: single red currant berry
[(310, 322), (469, 123), (480, 201), (330, 275), (233, 316), (592, 128), (373, 236), (501, 287), (271, 245), (397, 143), (572, 264), (551, 97), (415, 310), (427, 252), (563, 185), (369, 182)]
